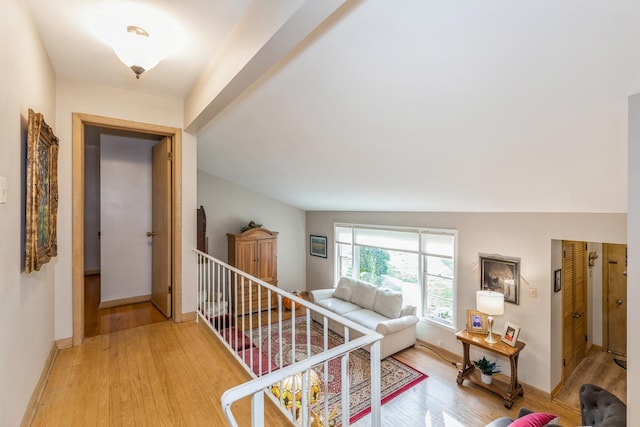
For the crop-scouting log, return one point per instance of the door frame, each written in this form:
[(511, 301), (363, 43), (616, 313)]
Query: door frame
[(79, 121)]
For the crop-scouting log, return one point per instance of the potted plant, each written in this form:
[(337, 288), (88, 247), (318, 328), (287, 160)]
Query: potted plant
[(487, 369)]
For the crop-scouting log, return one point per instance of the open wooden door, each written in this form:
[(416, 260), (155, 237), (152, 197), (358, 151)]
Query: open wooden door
[(161, 227), (615, 280), (574, 305)]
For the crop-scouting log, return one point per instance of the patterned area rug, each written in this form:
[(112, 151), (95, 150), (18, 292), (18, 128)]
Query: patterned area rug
[(396, 377)]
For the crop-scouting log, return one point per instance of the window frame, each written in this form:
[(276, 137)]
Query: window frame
[(422, 255)]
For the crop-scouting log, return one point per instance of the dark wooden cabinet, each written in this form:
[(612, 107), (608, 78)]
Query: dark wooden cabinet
[(255, 252)]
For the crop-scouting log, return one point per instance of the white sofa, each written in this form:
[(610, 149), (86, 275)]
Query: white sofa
[(379, 309)]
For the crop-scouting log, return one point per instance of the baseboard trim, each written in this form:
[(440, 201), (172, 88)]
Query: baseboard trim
[(123, 301), (456, 359), (188, 317), (594, 349), (32, 407), (443, 353), (557, 389), (64, 343)]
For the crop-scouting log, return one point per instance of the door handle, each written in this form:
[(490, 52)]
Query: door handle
[(576, 315), (151, 234), (618, 302)]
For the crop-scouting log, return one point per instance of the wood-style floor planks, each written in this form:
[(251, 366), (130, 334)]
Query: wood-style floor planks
[(597, 368), (168, 374), (101, 321)]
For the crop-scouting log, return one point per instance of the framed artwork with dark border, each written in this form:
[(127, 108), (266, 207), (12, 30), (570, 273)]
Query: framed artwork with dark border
[(41, 194), (510, 334), (501, 274), (318, 246), (477, 322), (557, 280)]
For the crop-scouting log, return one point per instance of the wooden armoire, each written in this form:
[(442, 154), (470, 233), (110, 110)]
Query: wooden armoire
[(254, 251)]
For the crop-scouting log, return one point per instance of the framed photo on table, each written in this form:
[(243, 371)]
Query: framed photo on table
[(477, 322), (510, 334)]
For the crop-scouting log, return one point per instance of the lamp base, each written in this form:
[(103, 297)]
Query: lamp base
[(490, 339)]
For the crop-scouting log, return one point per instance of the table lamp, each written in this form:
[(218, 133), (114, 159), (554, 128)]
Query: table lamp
[(290, 389), (492, 304)]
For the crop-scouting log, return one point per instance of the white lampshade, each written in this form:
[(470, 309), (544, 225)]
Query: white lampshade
[(489, 302)]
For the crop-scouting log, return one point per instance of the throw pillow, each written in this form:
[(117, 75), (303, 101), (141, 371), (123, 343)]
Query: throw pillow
[(364, 295), (388, 303), (535, 419), (344, 289)]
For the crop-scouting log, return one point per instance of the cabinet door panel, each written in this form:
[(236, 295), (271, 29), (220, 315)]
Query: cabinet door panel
[(246, 257), (267, 264)]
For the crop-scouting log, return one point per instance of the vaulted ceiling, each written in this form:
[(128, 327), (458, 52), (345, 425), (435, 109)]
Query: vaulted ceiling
[(413, 105)]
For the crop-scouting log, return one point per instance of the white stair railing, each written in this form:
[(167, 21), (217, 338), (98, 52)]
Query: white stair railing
[(223, 292)]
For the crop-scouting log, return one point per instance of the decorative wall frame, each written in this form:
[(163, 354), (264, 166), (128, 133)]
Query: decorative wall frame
[(510, 334), (477, 322), (318, 246), (501, 274), (41, 194), (557, 280)]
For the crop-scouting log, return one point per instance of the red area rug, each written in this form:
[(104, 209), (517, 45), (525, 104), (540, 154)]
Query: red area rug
[(396, 377)]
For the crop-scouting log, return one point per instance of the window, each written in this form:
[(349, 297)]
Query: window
[(418, 262)]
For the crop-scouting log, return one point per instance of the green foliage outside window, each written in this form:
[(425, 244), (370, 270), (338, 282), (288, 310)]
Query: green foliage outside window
[(373, 264)]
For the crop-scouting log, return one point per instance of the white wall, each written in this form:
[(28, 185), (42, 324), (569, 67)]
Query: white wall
[(75, 96), (91, 207), (633, 252), (523, 235), (229, 207), (125, 184), (26, 302)]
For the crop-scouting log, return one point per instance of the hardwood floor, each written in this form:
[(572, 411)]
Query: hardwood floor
[(163, 374), (439, 401), (597, 368), (174, 374), (102, 321)]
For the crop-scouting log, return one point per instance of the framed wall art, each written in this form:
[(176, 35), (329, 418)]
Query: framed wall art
[(557, 280), (510, 334), (41, 194), (501, 274), (318, 246), (477, 322)]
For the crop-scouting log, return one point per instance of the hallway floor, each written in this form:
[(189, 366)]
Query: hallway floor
[(103, 321)]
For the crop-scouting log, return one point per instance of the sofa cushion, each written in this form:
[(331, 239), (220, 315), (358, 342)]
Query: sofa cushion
[(408, 310), (337, 305), (535, 419), (367, 318), (364, 295), (388, 303), (344, 290)]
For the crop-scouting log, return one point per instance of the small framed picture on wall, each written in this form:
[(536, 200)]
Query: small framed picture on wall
[(557, 280), (318, 246)]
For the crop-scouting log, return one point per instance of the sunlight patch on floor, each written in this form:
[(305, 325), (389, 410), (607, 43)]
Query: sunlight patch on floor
[(449, 421)]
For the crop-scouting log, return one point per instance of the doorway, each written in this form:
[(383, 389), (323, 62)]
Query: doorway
[(574, 305), (174, 224)]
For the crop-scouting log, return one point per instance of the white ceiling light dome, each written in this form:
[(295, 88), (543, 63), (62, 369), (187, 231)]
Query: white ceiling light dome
[(140, 35)]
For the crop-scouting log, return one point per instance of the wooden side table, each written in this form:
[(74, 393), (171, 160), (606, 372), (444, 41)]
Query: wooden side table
[(507, 391)]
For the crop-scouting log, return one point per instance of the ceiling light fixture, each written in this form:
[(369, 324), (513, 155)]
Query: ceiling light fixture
[(137, 50), (141, 35)]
